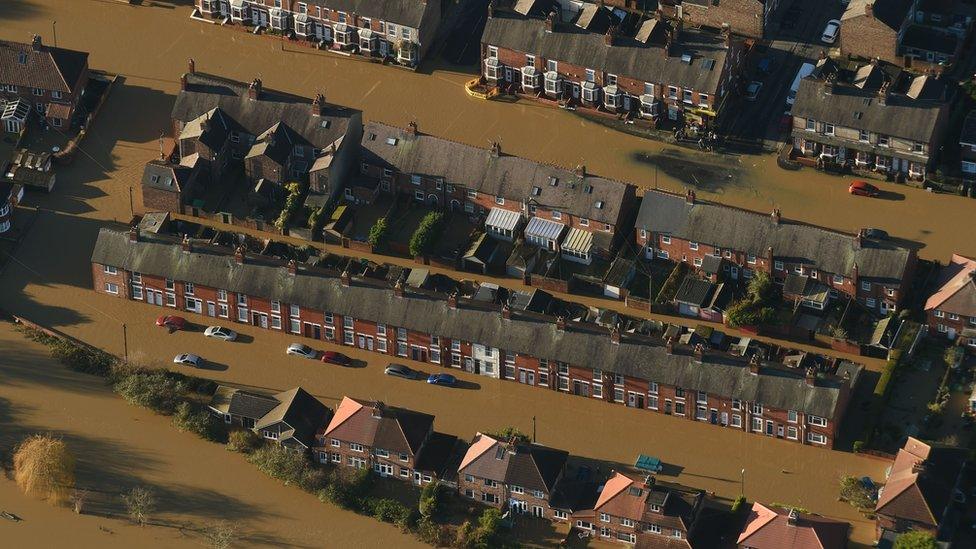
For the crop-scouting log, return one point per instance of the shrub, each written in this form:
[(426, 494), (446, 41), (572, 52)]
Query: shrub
[(760, 287), (292, 202), (390, 510), (221, 534), (315, 217), (426, 234), (741, 313), (915, 539), (82, 359), (154, 390), (197, 421), (378, 233), (289, 466), (243, 441), (855, 493), (44, 468), (430, 500), (140, 502), (488, 524), (858, 446), (509, 433), (463, 535), (738, 503)]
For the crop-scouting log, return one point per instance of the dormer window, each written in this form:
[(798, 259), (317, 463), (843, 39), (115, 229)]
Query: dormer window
[(22, 58)]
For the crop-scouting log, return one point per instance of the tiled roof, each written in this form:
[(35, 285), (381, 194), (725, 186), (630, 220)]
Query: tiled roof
[(531, 466), (625, 497), (376, 425), (921, 482), (773, 528), (428, 312), (956, 288), (402, 12), (47, 68)]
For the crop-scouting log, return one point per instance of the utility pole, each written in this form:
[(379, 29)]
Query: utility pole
[(125, 343), (742, 483), (533, 428), (54, 28)]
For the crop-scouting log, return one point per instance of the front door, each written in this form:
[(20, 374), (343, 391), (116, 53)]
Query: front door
[(384, 48), (769, 428), (627, 103), (259, 319), (211, 308), (537, 511), (667, 407), (361, 341), (224, 8), (576, 91), (734, 271), (508, 74), (725, 418), (523, 376), (261, 18), (417, 477), (779, 431), (713, 418)]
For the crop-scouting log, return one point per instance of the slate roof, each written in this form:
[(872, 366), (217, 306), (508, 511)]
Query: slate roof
[(623, 496), (770, 528), (206, 92), (301, 411), (162, 175), (376, 425), (968, 135), (891, 13), (752, 232), (438, 454), (510, 177), (427, 312), (693, 290), (956, 288), (928, 39), (402, 12), (628, 57), (229, 400), (921, 494), (900, 116), (48, 68), (531, 466)]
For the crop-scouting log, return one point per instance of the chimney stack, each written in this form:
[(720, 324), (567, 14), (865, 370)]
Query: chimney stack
[(506, 312), (398, 288), (452, 300), (185, 244), (412, 127), (254, 89), (496, 149), (793, 517), (666, 50), (754, 365), (699, 352), (191, 66), (615, 336), (239, 255), (318, 105), (811, 376), (690, 196), (858, 240), (134, 233), (292, 267), (491, 8), (669, 346), (561, 323), (183, 82), (36, 42), (377, 409), (551, 22), (727, 33), (609, 36), (345, 279), (918, 467), (777, 216), (869, 9), (580, 170)]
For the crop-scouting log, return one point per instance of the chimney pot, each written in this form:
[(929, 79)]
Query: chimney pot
[(690, 196), (699, 352), (239, 255), (452, 300), (869, 9), (811, 376), (496, 149), (609, 36), (669, 346), (754, 365), (551, 22), (344, 278), (615, 336), (254, 90), (506, 312), (561, 323), (292, 267), (793, 517), (580, 170), (185, 244), (412, 127), (318, 105), (777, 216), (183, 82), (491, 8), (398, 289), (191, 66), (134, 234), (36, 43)]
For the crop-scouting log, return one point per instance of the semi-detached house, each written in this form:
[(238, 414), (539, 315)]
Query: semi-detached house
[(745, 393), (491, 185), (875, 272), (51, 80), (950, 311), (401, 30), (596, 57)]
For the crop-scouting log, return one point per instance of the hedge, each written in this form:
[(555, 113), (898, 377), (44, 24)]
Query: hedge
[(378, 232), (426, 234)]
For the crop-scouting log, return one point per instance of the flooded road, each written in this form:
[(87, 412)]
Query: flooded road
[(150, 44)]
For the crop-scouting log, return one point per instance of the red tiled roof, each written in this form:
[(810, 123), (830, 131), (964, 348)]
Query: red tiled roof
[(921, 482), (957, 288), (46, 67), (771, 528), (58, 110)]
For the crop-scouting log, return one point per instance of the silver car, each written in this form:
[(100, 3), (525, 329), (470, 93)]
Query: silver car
[(299, 349), (399, 370), (187, 359), (220, 333)]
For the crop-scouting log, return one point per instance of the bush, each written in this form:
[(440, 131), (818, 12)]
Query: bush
[(220, 534), (741, 313), (858, 446), (44, 468), (738, 503), (915, 539), (289, 466), (509, 433), (154, 390), (426, 234), (430, 500), (378, 233), (854, 492), (82, 359), (197, 421), (463, 535), (315, 217), (140, 502), (488, 524), (243, 441), (390, 510), (292, 202)]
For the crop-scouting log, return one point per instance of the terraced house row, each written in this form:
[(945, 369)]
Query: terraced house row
[(740, 392)]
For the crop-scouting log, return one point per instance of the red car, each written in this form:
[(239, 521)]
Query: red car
[(863, 188), (171, 322), (333, 357)]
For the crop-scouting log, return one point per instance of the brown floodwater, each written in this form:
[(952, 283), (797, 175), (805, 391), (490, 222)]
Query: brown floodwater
[(150, 44)]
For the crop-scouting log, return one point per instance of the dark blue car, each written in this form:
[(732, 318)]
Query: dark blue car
[(442, 379)]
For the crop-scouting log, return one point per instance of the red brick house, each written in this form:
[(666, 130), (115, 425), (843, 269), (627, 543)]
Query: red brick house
[(393, 442), (643, 512), (401, 30), (51, 79), (512, 475), (951, 310), (750, 18), (484, 183), (775, 527), (922, 485), (875, 272), (580, 358), (592, 56)]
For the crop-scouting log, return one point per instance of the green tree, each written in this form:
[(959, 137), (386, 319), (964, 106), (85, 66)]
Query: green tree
[(853, 491), (915, 539), (760, 287), (378, 233), (488, 524), (154, 390), (426, 234), (510, 432), (430, 497)]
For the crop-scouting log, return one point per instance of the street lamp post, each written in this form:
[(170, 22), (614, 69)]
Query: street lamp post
[(742, 482), (125, 343), (54, 29)]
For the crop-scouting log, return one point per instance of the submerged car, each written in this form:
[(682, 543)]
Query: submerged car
[(399, 370), (332, 357), (446, 380), (220, 333), (863, 188), (187, 359), (299, 349), (172, 322)]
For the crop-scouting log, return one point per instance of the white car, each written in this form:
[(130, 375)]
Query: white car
[(187, 359), (220, 333), (830, 32), (299, 349)]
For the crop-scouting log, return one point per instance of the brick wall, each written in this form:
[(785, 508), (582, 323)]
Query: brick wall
[(158, 200)]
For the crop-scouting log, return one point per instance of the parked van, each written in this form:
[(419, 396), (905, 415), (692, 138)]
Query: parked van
[(805, 70)]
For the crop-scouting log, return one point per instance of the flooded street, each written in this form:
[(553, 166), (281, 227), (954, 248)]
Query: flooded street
[(119, 446), (150, 43)]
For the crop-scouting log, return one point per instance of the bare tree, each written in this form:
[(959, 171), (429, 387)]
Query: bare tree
[(140, 502), (78, 499), (220, 534), (43, 467)]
